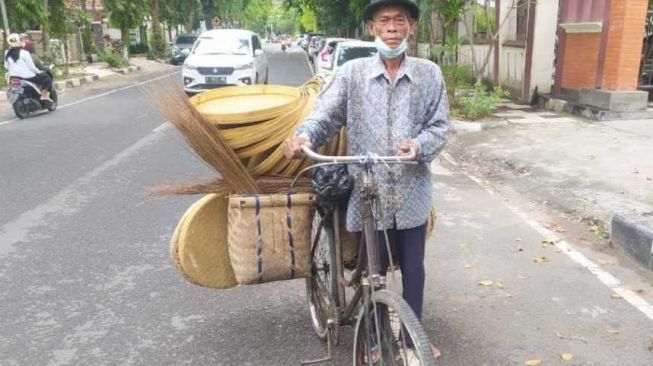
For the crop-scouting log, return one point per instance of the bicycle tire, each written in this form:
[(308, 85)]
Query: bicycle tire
[(321, 290), (363, 353)]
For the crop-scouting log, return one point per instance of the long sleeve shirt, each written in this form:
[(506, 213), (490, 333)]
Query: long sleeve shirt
[(378, 115), (23, 67)]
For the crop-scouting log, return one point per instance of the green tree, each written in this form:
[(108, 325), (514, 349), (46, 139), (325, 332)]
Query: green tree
[(126, 14), (25, 14), (157, 43), (307, 19)]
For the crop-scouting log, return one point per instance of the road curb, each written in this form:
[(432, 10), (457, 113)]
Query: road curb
[(76, 82), (126, 70), (471, 127), (635, 236)]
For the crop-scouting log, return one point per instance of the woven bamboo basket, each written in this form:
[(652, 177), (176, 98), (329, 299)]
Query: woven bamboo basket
[(269, 236)]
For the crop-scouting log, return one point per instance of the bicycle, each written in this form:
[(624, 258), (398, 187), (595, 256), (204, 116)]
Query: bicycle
[(384, 324)]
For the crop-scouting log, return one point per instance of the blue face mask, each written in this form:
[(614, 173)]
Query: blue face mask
[(388, 52)]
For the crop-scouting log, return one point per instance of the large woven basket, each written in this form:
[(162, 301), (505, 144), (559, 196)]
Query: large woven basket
[(269, 237)]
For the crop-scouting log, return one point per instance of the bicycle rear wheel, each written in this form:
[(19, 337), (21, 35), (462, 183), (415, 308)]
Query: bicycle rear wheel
[(322, 286), (389, 333)]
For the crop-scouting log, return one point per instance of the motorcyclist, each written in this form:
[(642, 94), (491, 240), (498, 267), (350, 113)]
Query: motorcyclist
[(28, 46), (20, 64)]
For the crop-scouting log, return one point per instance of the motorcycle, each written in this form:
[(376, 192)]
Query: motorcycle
[(25, 97)]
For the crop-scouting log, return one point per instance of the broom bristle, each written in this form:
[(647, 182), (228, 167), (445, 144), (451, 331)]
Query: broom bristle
[(204, 138), (268, 185)]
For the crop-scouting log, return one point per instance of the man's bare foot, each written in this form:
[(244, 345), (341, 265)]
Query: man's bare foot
[(436, 352)]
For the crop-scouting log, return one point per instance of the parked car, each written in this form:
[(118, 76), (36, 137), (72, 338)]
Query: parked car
[(323, 57), (225, 57), (349, 50), (183, 42)]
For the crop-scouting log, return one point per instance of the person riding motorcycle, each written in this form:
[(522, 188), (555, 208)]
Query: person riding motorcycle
[(20, 64), (28, 46)]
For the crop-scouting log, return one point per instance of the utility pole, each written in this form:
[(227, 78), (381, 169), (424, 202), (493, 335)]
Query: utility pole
[(4, 19)]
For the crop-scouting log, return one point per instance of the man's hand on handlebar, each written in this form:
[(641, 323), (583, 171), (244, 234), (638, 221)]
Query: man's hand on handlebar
[(406, 146), (292, 148)]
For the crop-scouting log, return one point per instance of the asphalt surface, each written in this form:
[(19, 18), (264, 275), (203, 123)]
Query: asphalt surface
[(86, 278)]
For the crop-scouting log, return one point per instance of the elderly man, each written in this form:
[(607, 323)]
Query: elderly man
[(389, 104)]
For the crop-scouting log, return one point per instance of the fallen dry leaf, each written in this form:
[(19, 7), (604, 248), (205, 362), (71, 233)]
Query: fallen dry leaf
[(508, 295), (616, 296), (486, 283), (605, 262), (533, 363), (558, 334), (567, 356), (521, 277), (640, 290), (541, 259), (517, 239), (500, 285), (468, 266), (613, 331), (554, 226)]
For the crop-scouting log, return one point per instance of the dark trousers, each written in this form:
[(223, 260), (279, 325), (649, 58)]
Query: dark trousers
[(408, 250), (43, 80)]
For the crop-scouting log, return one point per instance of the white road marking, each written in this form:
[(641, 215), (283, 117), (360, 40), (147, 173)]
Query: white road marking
[(606, 278), (102, 94), (70, 199)]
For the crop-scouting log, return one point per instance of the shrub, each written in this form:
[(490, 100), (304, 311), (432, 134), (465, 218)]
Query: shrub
[(138, 48), (157, 48), (3, 81), (456, 76), (481, 103), (112, 57)]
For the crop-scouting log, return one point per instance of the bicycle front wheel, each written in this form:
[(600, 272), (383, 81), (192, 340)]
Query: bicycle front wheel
[(322, 286), (389, 333)]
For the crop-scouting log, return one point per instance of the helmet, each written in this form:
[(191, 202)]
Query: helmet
[(13, 40)]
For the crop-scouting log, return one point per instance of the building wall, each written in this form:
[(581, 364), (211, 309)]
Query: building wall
[(511, 68), (480, 53), (581, 60), (544, 42)]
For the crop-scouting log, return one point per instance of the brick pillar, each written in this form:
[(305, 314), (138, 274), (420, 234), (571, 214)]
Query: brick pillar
[(624, 47), (581, 60)]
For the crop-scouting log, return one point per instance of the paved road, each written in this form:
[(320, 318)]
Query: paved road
[(86, 278)]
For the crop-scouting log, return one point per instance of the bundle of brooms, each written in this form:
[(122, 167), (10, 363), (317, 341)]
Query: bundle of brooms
[(238, 132)]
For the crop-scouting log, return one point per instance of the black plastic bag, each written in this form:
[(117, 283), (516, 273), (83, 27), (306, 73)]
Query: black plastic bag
[(333, 183)]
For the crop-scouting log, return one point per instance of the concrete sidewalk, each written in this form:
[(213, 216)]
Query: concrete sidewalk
[(599, 171)]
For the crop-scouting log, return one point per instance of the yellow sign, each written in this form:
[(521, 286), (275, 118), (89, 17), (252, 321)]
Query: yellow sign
[(216, 21)]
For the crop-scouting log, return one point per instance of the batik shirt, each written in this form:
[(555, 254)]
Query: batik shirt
[(378, 115)]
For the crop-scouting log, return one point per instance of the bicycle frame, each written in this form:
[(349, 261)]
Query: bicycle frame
[(367, 271)]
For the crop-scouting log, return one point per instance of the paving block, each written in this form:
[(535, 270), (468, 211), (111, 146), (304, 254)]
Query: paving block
[(635, 235)]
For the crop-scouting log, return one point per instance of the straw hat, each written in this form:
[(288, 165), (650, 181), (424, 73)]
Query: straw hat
[(199, 246)]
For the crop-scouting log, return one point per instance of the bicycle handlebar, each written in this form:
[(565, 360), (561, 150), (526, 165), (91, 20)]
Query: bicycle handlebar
[(360, 158)]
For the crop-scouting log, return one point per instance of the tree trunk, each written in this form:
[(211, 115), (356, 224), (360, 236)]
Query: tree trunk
[(156, 17), (124, 37), (82, 5), (44, 28)]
